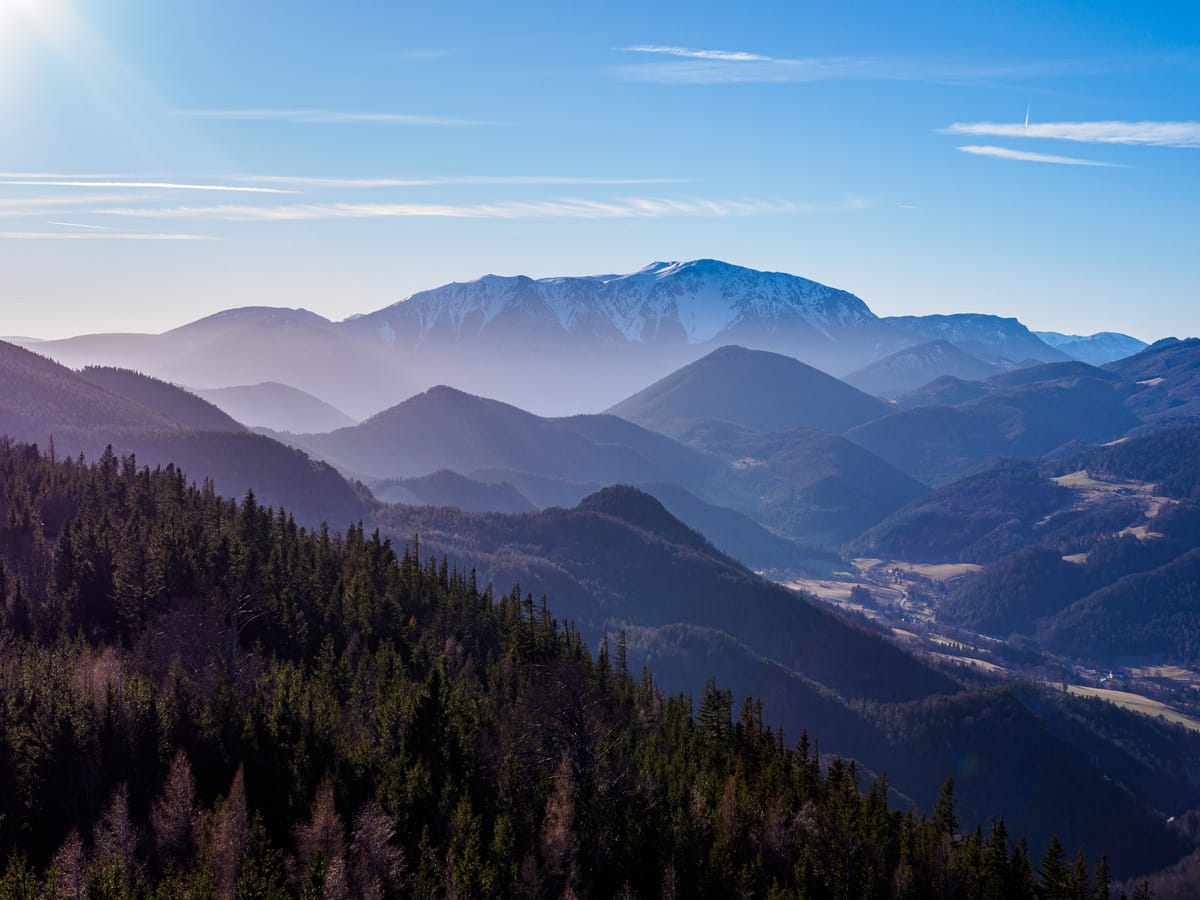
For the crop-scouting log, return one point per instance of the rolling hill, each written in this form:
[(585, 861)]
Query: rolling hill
[(620, 557), (976, 518), (1167, 377), (188, 409), (806, 483), (945, 390), (1030, 412), (755, 389), (46, 400), (906, 370), (444, 428), (247, 346), (447, 488), (278, 407)]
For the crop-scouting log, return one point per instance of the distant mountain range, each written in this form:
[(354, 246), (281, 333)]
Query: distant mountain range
[(278, 407), (1097, 349), (602, 337), (913, 367)]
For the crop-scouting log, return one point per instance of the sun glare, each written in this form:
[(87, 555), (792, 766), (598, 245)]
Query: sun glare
[(20, 17)]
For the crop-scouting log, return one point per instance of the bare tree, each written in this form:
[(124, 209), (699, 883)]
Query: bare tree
[(377, 865), (175, 813), (66, 878), (116, 837), (323, 839), (229, 829)]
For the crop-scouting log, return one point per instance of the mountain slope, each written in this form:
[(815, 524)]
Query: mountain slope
[(944, 391), (1029, 412), (276, 406), (1167, 375), (247, 346), (447, 488), (753, 388), (1145, 615), (809, 484), (972, 519), (991, 338), (174, 402), (695, 302), (621, 557), (908, 369), (444, 428), (44, 400)]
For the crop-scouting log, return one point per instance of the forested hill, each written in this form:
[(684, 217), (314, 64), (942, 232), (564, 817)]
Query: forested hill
[(160, 423), (202, 699)]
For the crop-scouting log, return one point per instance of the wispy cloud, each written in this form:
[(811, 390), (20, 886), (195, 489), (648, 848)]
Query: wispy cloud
[(570, 208), (749, 67), (1023, 156), (155, 185), (322, 117), (63, 200), (99, 236), (695, 66), (689, 53), (83, 225), (449, 180), (1150, 134)]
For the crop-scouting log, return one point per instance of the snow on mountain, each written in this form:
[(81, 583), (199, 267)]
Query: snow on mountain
[(994, 339), (693, 302)]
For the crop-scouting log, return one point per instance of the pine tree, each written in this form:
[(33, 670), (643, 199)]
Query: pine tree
[(1057, 880), (1101, 881)]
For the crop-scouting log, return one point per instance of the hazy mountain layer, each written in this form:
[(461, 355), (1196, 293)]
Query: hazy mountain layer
[(186, 408), (1029, 412), (911, 368), (276, 406), (755, 389), (1097, 349), (554, 345), (45, 401)]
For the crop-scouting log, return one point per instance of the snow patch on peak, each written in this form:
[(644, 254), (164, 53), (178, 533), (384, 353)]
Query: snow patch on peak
[(701, 298)]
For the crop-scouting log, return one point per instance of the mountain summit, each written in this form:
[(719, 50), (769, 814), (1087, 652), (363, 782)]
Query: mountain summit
[(665, 302)]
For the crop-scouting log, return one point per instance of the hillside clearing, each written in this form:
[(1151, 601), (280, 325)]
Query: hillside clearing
[(1137, 703)]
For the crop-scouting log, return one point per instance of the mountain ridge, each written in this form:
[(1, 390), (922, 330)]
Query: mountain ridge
[(603, 337)]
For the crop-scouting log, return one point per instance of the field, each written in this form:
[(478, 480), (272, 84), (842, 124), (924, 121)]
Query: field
[(1137, 703), (940, 571)]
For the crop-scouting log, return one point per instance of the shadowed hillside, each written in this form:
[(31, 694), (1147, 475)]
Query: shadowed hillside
[(47, 401), (753, 388), (184, 407)]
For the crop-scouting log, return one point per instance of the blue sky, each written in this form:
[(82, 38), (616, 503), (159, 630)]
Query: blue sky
[(162, 161)]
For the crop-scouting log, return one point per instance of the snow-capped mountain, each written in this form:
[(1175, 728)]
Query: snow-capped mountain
[(552, 345), (689, 302), (994, 339)]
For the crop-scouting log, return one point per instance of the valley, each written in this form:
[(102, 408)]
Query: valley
[(892, 573)]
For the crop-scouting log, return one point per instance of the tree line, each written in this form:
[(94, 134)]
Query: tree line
[(199, 698)]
